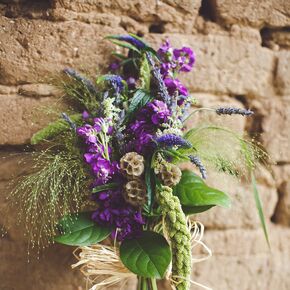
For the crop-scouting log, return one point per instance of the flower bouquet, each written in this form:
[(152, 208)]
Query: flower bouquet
[(109, 175)]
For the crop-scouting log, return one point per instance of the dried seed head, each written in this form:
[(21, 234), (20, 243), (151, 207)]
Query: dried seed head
[(132, 165), (135, 193), (170, 174)]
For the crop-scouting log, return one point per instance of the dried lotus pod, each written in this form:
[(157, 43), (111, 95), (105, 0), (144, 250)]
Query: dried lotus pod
[(170, 174), (135, 192), (132, 165)]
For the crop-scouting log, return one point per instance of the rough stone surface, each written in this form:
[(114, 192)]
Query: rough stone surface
[(238, 255), (276, 117), (243, 60), (20, 117), (253, 13), (283, 72), (235, 67)]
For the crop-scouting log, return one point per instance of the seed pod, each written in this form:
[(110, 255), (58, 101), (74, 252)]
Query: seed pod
[(135, 192), (170, 174), (132, 165)]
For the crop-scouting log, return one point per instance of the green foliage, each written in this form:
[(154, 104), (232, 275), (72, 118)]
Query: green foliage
[(259, 208), (116, 39), (55, 187), (148, 180), (189, 210), (104, 187), (77, 91), (148, 255), (79, 230), (224, 149), (139, 100), (53, 129), (193, 192), (145, 74)]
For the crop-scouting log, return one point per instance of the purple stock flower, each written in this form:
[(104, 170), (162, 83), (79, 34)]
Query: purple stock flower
[(174, 85), (185, 58), (114, 211), (160, 112)]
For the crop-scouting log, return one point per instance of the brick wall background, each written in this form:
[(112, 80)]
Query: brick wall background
[(243, 59)]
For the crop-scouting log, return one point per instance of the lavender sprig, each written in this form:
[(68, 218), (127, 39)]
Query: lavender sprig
[(161, 85), (234, 111), (75, 75), (69, 121), (197, 162), (170, 140), (132, 40), (115, 81)]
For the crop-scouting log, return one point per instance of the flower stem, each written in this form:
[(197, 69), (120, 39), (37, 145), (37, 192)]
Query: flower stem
[(153, 284), (198, 110)]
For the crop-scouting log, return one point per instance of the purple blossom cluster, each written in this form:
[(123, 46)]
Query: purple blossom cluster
[(175, 61), (145, 125), (126, 221), (97, 154)]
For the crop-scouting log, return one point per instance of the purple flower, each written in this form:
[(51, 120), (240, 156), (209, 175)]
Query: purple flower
[(169, 140), (160, 112), (113, 211), (174, 85), (115, 81), (85, 115), (89, 132), (184, 58), (114, 66), (164, 48)]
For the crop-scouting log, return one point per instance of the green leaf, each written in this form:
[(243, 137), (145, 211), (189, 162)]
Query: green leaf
[(148, 255), (119, 55), (259, 208), (79, 230), (53, 129), (145, 73), (139, 100), (192, 191), (148, 181), (123, 44), (188, 210), (104, 187)]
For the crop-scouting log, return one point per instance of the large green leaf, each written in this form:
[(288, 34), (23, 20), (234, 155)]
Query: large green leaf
[(148, 255), (188, 210), (192, 192), (79, 230)]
